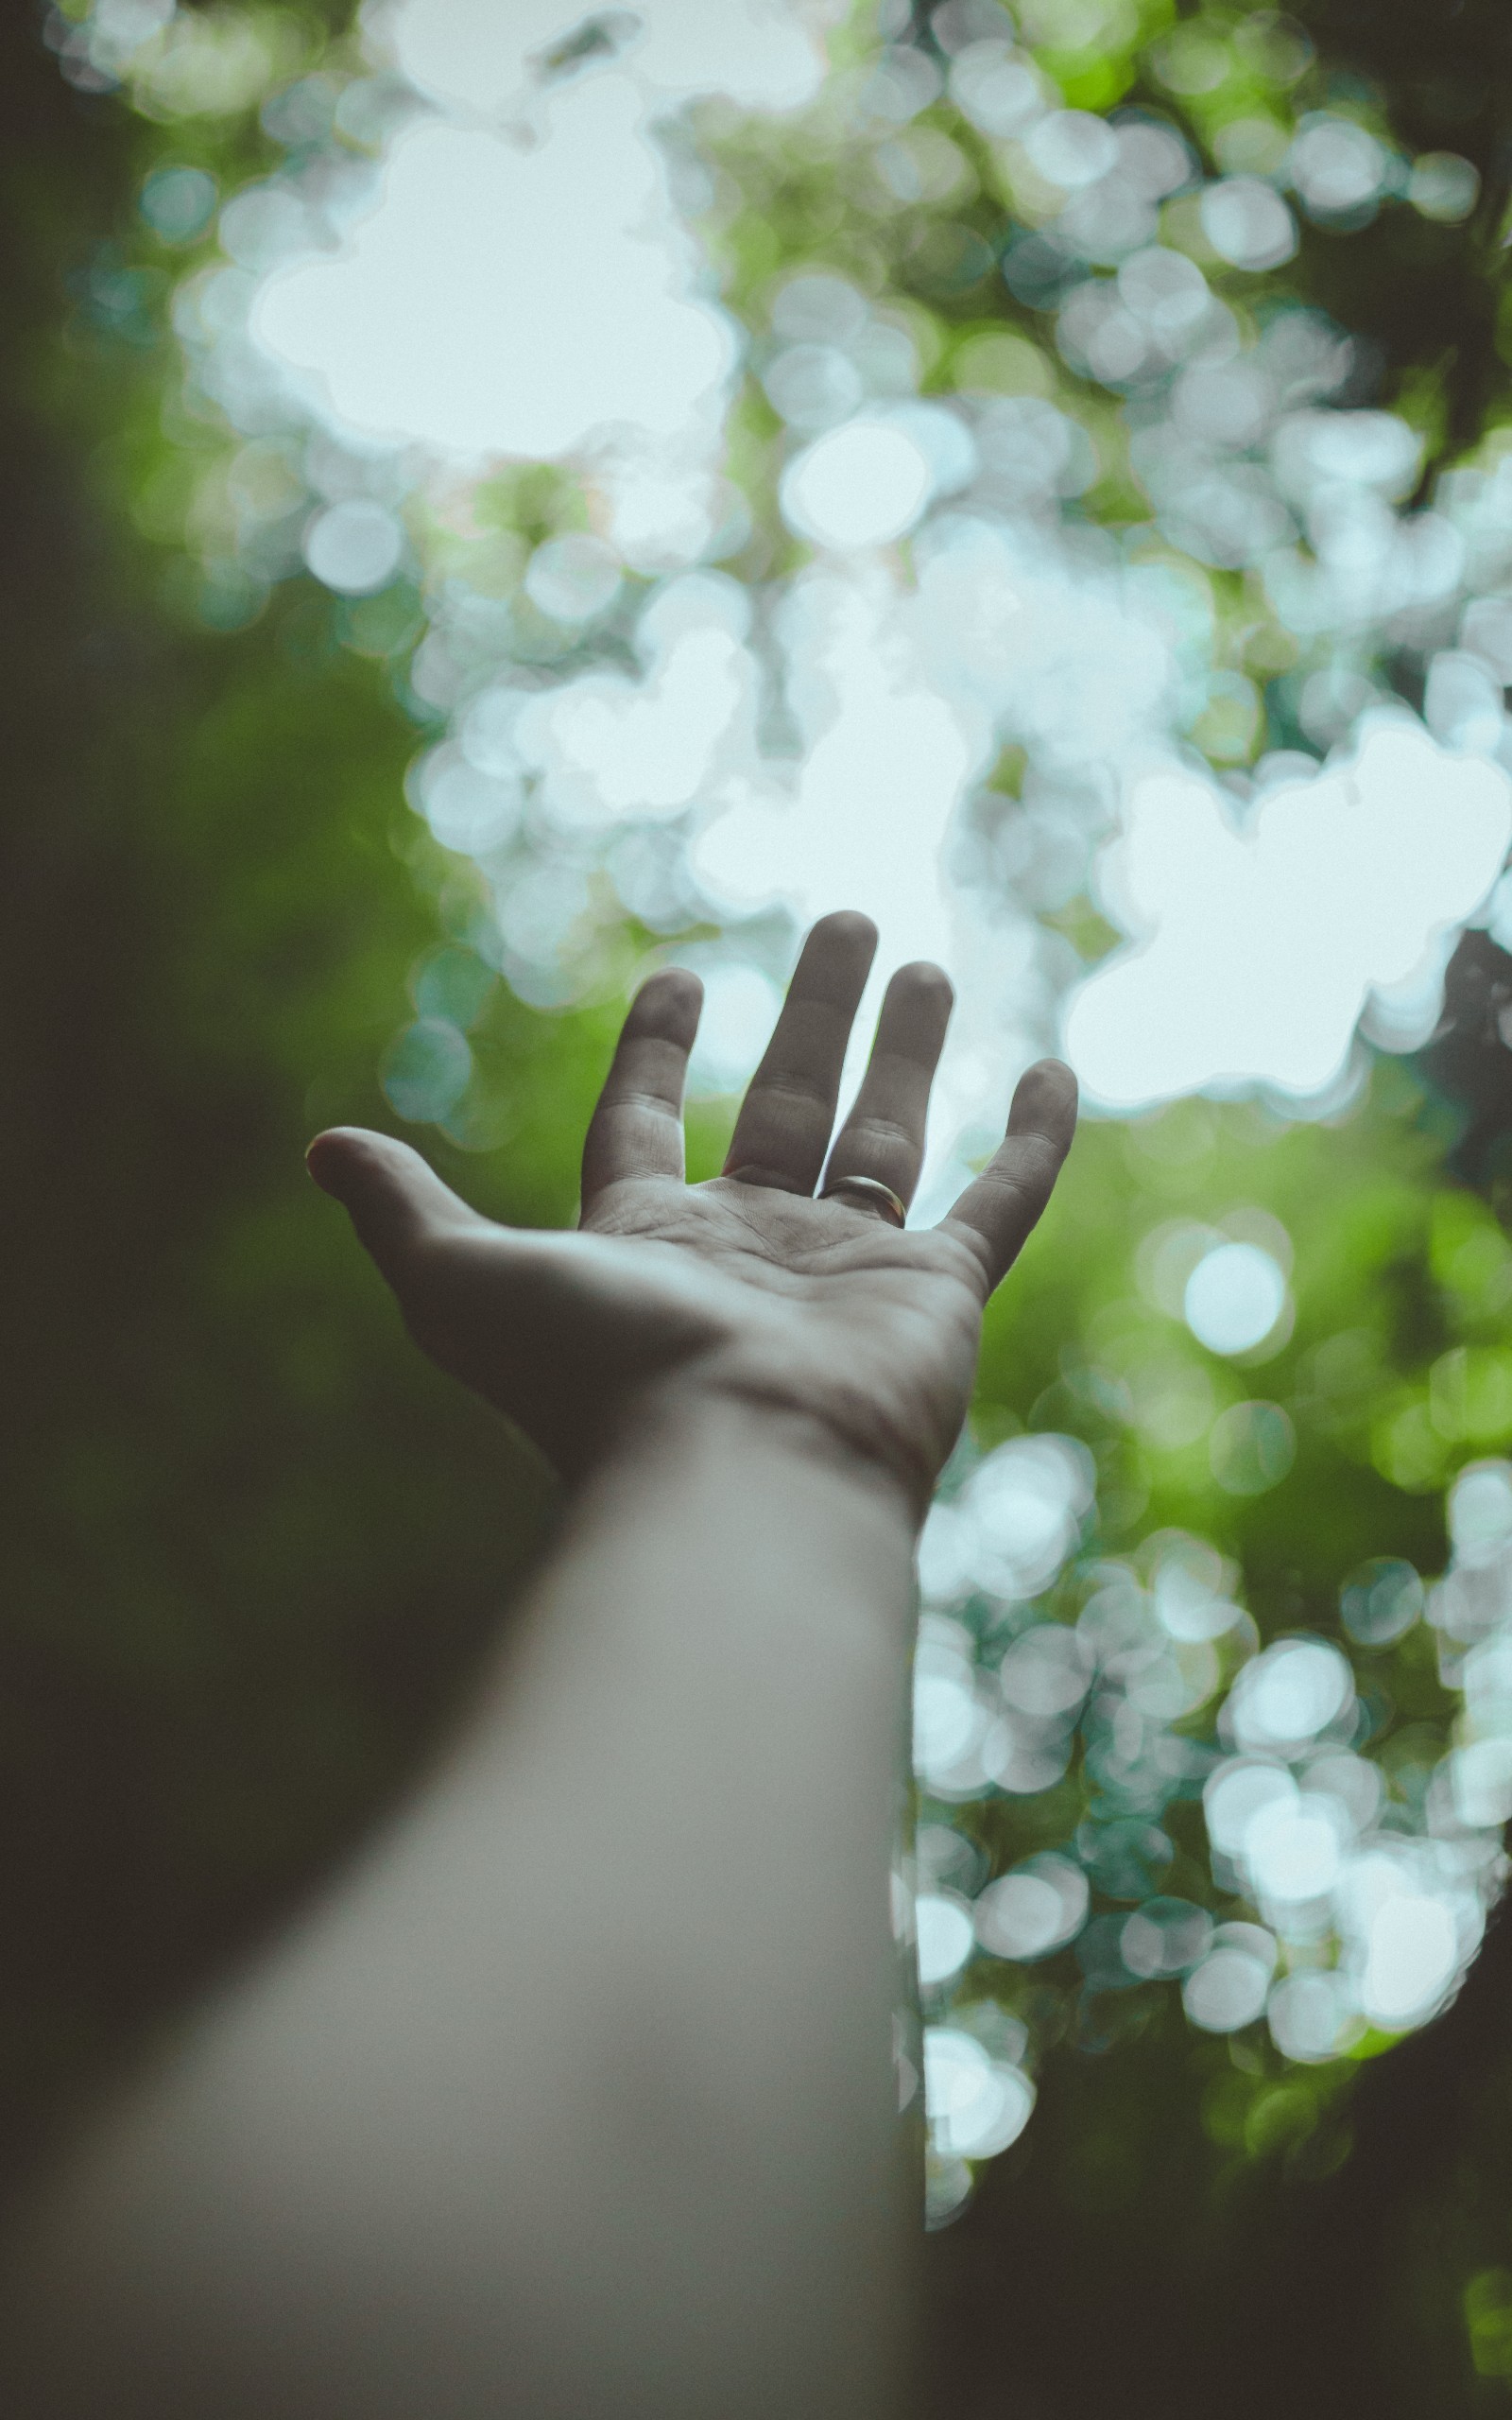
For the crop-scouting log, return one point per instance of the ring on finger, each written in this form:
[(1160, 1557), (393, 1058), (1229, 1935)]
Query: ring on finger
[(873, 1193)]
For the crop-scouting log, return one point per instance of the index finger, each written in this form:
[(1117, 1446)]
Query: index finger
[(996, 1214), (637, 1128)]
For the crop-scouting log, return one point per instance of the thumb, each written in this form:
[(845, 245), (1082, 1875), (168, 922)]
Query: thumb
[(396, 1203)]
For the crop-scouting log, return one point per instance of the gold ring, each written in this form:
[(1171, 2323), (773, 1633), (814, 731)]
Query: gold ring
[(892, 1205)]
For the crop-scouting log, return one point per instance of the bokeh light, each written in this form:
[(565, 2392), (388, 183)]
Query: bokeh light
[(1234, 1298), (815, 461)]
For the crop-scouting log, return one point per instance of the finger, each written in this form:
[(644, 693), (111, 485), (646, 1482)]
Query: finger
[(883, 1135), (396, 1203), (996, 1214), (637, 1128), (783, 1128)]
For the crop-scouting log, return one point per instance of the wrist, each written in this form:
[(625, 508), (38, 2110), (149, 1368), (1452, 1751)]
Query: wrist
[(738, 1413)]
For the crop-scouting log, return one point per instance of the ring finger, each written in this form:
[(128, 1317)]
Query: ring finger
[(882, 1139)]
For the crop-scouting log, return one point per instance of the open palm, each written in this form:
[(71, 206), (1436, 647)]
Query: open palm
[(749, 1286)]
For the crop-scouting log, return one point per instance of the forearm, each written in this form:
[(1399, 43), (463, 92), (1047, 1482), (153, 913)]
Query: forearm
[(577, 2099)]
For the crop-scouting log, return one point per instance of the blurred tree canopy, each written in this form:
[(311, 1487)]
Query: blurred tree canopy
[(255, 1548), (236, 1593)]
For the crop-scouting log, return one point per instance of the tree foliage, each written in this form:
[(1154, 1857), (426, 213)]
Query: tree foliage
[(254, 1548)]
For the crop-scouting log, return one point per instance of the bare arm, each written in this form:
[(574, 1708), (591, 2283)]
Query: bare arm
[(577, 2098)]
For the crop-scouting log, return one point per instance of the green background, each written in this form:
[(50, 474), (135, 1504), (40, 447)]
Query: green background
[(253, 1547)]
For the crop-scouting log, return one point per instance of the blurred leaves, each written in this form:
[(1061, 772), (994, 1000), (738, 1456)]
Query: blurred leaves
[(255, 1548)]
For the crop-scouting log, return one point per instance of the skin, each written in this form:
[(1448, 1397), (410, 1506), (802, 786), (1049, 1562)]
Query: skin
[(748, 1286), (576, 2098)]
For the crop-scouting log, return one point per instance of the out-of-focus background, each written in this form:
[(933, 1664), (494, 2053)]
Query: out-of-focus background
[(498, 497)]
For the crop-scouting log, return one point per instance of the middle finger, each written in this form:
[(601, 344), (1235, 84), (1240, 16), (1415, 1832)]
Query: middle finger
[(783, 1128)]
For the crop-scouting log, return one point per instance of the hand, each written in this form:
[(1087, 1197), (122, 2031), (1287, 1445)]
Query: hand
[(746, 1285)]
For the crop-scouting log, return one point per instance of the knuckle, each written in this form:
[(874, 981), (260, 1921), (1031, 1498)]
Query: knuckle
[(794, 1091), (881, 1130)]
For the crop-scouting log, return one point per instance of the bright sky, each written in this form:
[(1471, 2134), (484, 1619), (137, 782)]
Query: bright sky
[(523, 286), (489, 61), (1257, 945), (435, 324)]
